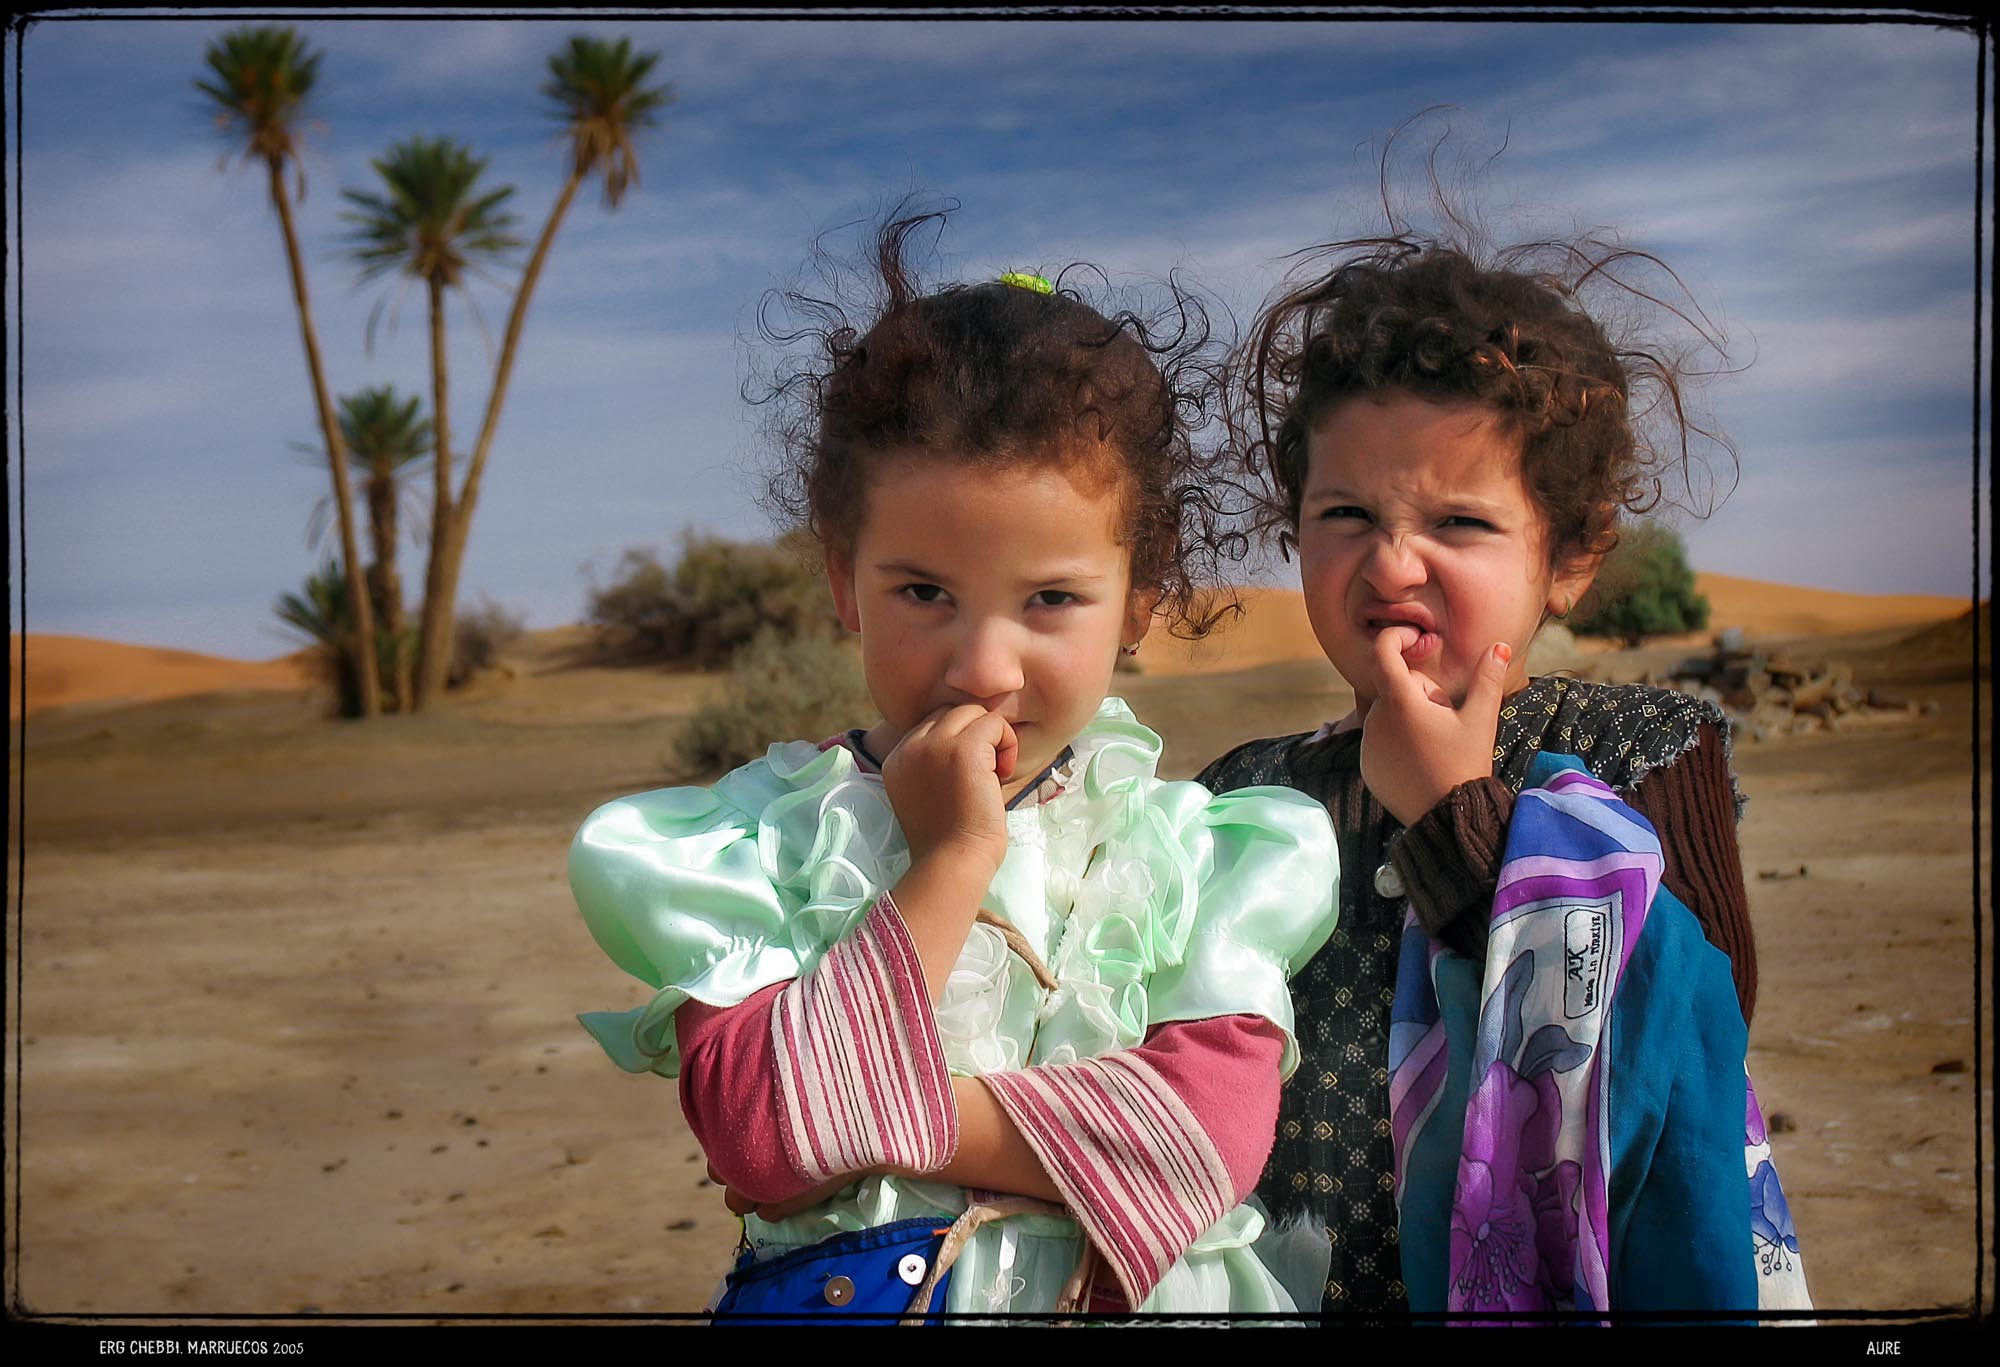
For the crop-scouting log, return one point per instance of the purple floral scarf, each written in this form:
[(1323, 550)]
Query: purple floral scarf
[(1530, 1225)]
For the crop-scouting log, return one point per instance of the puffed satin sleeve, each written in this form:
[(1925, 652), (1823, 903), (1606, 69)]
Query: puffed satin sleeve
[(714, 894), (1264, 874)]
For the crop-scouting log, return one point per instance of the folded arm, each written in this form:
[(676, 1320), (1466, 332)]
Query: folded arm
[(839, 1074)]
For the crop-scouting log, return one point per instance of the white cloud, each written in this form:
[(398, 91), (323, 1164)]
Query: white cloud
[(1908, 356)]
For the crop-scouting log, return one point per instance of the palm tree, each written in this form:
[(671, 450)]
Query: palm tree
[(261, 79), (388, 441), (597, 92), (387, 445), (323, 617), (433, 224)]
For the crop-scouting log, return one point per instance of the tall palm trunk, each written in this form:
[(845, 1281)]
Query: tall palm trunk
[(387, 585), (370, 691), (434, 651), (453, 525)]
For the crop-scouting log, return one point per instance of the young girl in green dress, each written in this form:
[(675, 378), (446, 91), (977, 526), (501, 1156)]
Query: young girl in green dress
[(976, 945)]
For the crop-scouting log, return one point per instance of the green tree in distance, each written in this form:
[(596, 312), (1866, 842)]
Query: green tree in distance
[(1645, 588), (434, 223), (597, 91), (260, 80)]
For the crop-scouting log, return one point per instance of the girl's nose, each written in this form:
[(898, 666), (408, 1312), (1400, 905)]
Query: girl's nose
[(987, 663), (1393, 565)]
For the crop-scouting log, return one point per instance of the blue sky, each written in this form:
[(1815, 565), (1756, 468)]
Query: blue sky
[(1813, 183)]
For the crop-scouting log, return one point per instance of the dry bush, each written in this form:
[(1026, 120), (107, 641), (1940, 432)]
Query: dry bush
[(779, 688), (478, 638), (717, 597)]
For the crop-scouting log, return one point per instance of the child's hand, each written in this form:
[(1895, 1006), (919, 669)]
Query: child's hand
[(1415, 745), (944, 780)]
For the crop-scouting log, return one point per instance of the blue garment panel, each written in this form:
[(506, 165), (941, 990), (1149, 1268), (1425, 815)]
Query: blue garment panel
[(1433, 1175), (793, 1289), (1677, 1102)]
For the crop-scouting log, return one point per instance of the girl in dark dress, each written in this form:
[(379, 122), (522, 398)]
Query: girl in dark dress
[(1448, 441)]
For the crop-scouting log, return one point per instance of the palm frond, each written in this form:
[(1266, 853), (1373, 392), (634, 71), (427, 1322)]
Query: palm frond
[(596, 91), (261, 78), (429, 221), (319, 521), (388, 441), (321, 613), (385, 432), (479, 314)]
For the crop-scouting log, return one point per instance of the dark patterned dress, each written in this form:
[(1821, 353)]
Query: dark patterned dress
[(1333, 1159)]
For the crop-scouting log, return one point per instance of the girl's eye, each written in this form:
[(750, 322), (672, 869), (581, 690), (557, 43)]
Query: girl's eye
[(1463, 521), (1053, 598), (924, 593), (1341, 512)]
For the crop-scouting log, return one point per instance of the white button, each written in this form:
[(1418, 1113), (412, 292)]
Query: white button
[(1389, 883), (912, 1269)]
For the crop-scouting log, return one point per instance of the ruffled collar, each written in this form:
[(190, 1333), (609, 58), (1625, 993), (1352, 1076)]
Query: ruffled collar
[(1081, 873)]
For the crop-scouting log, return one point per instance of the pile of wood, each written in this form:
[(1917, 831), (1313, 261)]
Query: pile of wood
[(1768, 696)]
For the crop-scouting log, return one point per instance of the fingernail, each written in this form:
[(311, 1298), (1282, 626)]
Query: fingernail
[(1503, 652)]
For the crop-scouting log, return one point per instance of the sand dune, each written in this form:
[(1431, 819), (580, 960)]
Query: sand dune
[(63, 671), (1274, 625), (1764, 609)]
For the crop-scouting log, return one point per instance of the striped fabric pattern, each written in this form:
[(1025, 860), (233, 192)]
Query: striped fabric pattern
[(1135, 1167), (861, 1070)]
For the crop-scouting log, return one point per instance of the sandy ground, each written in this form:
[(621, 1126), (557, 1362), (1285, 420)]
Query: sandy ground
[(294, 1018)]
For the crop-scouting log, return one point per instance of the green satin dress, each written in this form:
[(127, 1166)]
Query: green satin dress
[(1150, 901)]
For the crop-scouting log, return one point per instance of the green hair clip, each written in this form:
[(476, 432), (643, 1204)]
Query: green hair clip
[(1022, 280)]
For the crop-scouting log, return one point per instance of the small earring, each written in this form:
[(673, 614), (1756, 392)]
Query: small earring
[(1566, 607), (1129, 649)]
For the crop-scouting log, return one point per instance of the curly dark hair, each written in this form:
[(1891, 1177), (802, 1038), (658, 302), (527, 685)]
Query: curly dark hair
[(1601, 424), (996, 375)]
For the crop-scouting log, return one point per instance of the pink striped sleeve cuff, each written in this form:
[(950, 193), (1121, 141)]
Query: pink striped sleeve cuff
[(1132, 1162), (861, 1072)]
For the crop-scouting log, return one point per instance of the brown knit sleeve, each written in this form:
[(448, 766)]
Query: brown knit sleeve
[(1693, 806), (1449, 862)]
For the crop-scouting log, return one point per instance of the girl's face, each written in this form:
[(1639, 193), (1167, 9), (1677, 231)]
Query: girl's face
[(1004, 588), (1415, 518)]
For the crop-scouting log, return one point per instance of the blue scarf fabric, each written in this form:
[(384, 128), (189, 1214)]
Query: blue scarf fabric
[(1573, 1126)]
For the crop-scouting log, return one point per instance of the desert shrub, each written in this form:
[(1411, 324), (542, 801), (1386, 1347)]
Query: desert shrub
[(717, 597), (779, 688), (478, 638), (1645, 588), (637, 614)]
